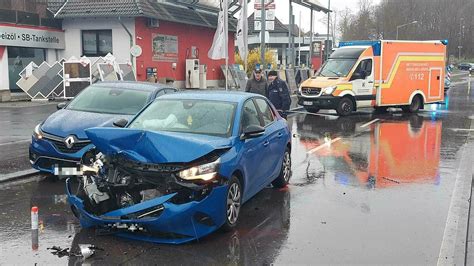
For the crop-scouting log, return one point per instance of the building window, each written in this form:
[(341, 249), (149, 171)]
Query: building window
[(96, 43)]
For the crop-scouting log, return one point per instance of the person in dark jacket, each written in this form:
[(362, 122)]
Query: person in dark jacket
[(278, 93), (257, 84)]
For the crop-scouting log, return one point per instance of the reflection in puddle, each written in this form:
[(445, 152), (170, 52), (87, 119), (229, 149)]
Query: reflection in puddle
[(402, 150)]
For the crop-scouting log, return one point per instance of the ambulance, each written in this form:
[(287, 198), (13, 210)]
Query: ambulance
[(378, 74)]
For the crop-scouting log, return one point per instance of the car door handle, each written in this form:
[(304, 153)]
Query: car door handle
[(370, 82), (280, 134), (266, 143)]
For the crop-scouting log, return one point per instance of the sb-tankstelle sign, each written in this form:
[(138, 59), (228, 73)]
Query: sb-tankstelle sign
[(27, 37)]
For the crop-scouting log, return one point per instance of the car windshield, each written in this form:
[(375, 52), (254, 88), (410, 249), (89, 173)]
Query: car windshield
[(337, 67), (188, 116), (110, 100)]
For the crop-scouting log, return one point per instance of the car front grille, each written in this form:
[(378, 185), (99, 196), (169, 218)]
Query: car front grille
[(61, 146), (311, 91)]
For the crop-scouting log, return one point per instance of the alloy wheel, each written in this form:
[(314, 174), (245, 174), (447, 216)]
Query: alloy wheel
[(233, 203), (287, 167)]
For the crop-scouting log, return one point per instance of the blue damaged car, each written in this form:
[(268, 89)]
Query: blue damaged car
[(182, 167), (59, 142)]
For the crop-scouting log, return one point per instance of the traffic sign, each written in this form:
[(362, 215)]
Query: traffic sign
[(269, 15), (270, 25), (269, 4)]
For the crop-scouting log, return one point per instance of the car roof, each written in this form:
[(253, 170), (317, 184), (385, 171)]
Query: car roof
[(132, 85), (217, 95)]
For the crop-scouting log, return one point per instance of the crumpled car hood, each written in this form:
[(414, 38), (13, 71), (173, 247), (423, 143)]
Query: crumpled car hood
[(155, 147)]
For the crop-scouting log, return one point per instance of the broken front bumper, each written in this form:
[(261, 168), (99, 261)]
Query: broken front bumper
[(171, 223)]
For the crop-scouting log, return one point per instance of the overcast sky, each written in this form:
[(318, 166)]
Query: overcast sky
[(282, 12)]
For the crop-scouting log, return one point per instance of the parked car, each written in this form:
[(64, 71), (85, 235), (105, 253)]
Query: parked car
[(465, 66), (447, 83), (58, 143), (182, 167), (447, 78)]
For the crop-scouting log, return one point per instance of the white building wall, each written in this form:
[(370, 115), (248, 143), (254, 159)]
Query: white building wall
[(120, 38), (52, 56), (4, 79)]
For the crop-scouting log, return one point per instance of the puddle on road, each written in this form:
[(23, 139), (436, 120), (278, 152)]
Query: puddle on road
[(56, 225), (262, 231), (388, 153)]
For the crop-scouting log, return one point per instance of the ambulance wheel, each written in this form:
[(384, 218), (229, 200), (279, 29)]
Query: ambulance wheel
[(345, 107), (312, 110), (416, 104)]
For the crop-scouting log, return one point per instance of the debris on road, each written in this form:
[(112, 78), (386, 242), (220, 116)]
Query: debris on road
[(86, 251)]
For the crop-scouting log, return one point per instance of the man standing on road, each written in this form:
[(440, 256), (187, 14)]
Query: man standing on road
[(278, 93), (257, 84)]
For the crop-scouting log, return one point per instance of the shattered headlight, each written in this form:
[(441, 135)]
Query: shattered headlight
[(329, 90), (37, 133), (204, 172)]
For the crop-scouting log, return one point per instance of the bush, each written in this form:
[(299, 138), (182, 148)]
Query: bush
[(253, 59)]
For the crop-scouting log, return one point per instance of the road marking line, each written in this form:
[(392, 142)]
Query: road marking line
[(14, 142), (463, 129), (370, 123), (307, 113), (325, 145)]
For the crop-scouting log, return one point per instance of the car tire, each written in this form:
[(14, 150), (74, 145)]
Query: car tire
[(233, 203), (415, 105), (345, 107), (285, 173), (312, 110)]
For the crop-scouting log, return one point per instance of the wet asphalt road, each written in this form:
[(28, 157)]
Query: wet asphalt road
[(17, 121), (367, 189)]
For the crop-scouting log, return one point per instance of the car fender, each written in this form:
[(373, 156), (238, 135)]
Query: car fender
[(346, 92)]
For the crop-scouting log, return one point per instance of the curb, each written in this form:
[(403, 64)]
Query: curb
[(17, 175), (455, 247)]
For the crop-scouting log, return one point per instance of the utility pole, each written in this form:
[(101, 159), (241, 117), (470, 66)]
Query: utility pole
[(299, 42), (311, 39), (291, 43), (460, 38), (262, 32), (326, 47)]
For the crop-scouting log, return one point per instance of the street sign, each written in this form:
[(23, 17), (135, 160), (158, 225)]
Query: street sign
[(270, 25), (269, 4), (269, 15)]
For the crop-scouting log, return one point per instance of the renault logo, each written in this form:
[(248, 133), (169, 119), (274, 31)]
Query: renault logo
[(69, 141)]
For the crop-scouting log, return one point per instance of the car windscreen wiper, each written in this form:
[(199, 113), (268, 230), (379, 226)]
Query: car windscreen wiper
[(337, 74)]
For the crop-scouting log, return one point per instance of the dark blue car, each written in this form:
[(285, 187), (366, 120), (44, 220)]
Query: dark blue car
[(182, 167), (59, 143)]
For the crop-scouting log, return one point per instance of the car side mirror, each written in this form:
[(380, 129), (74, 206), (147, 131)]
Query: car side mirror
[(356, 76), (61, 105), (253, 131), (120, 122)]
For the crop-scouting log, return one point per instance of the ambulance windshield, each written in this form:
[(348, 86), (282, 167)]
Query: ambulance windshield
[(337, 68), (341, 62)]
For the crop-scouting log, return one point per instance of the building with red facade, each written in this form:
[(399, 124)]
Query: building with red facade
[(167, 32), (164, 34)]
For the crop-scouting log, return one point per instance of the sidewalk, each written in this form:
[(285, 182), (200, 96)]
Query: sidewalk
[(470, 230)]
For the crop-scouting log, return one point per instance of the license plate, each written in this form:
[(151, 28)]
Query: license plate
[(307, 103), (67, 171)]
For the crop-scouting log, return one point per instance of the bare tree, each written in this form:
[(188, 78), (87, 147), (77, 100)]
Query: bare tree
[(436, 19)]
